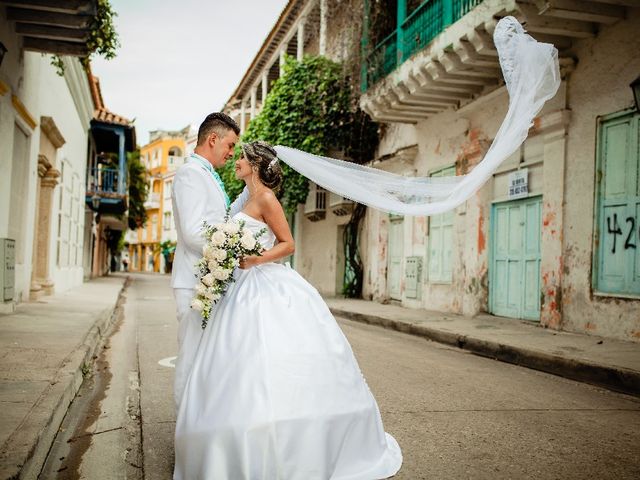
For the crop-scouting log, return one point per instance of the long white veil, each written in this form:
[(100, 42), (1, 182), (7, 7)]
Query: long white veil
[(532, 77)]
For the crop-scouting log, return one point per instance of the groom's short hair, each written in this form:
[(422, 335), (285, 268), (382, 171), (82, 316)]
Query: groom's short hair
[(218, 123)]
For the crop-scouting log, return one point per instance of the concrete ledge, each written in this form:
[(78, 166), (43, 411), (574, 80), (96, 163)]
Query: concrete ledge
[(25, 450), (612, 377)]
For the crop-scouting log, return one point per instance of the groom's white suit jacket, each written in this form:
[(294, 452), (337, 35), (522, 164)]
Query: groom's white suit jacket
[(196, 196)]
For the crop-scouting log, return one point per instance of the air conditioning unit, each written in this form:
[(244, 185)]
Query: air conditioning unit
[(315, 207), (8, 269), (339, 205), (413, 274)]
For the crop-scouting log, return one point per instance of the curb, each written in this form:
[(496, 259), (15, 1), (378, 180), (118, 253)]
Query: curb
[(53, 404), (612, 378)]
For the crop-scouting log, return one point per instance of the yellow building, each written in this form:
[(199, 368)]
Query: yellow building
[(163, 154)]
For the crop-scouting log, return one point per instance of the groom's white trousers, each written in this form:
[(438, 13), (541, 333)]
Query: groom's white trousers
[(189, 334)]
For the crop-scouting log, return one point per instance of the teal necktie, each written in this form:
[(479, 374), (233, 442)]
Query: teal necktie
[(209, 168)]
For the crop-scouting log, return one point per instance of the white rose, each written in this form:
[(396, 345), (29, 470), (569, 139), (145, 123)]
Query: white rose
[(231, 227), (197, 305), (201, 289), (207, 251), (220, 254), (207, 280), (218, 238), (221, 274), (213, 264), (248, 241)]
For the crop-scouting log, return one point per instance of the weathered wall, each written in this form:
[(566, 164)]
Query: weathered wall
[(599, 85)]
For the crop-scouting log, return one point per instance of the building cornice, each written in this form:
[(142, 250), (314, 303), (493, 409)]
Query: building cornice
[(23, 112), (78, 84)]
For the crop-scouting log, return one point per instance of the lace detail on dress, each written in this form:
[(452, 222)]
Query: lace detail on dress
[(507, 33)]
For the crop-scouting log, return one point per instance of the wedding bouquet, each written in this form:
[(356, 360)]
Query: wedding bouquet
[(225, 244)]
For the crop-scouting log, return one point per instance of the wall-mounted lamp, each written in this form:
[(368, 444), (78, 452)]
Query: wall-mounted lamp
[(3, 50), (95, 201), (635, 87)]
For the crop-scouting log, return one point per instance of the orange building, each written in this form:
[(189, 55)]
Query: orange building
[(163, 154)]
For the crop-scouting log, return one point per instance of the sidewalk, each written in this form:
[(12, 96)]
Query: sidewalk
[(45, 346), (604, 362)]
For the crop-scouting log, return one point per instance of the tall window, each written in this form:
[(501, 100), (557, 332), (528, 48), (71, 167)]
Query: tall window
[(166, 223), (167, 189), (154, 227), (617, 254), (441, 240), (65, 214)]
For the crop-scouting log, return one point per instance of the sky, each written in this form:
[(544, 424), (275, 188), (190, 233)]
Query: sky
[(180, 60)]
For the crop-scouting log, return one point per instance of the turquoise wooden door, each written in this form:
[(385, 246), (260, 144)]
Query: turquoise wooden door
[(617, 262), (394, 275), (514, 285)]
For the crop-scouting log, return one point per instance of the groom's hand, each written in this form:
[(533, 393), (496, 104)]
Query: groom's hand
[(248, 262)]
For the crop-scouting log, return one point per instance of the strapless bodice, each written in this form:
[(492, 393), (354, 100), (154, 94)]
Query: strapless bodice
[(268, 239)]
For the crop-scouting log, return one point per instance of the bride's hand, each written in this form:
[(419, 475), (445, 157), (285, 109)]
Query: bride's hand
[(248, 262)]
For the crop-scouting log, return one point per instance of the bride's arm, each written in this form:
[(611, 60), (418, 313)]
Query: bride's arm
[(274, 216)]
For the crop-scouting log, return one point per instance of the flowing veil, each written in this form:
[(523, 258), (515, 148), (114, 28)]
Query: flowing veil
[(532, 77)]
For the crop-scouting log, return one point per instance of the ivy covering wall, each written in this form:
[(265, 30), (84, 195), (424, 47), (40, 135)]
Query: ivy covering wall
[(312, 107)]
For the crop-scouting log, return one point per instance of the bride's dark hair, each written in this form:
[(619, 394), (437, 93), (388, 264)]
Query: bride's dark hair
[(263, 156)]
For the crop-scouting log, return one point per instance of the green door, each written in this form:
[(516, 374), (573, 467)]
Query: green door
[(514, 285), (617, 262)]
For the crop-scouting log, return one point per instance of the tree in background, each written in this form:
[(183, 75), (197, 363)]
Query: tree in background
[(312, 107), (138, 190)]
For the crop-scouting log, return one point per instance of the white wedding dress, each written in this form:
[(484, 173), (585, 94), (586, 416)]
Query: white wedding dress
[(275, 391)]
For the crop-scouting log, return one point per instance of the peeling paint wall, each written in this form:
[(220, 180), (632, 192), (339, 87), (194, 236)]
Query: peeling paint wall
[(560, 156), (598, 86)]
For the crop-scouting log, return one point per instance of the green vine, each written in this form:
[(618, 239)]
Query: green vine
[(311, 107), (103, 38), (138, 190)]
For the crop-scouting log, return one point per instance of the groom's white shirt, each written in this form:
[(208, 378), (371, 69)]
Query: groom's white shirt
[(196, 197)]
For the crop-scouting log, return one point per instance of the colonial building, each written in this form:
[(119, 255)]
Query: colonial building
[(162, 156), (112, 137), (44, 124), (562, 249), (48, 123)]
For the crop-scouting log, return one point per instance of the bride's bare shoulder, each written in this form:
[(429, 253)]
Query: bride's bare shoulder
[(268, 200)]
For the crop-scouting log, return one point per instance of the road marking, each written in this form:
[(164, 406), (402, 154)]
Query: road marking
[(168, 362)]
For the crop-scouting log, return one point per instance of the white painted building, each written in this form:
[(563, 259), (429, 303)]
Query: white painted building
[(44, 124), (566, 253)]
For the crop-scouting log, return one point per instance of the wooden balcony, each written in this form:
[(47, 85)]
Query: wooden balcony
[(445, 57), (60, 27)]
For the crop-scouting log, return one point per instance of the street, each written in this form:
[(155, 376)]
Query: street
[(454, 414)]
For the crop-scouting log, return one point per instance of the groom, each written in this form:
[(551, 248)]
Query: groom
[(198, 195)]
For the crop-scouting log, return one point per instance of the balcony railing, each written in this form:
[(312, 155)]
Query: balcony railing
[(153, 200), (104, 181), (415, 32)]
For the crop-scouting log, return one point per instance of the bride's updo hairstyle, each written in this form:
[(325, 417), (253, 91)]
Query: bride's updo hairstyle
[(262, 156)]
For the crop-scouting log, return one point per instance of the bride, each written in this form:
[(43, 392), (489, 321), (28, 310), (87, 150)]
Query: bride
[(275, 391)]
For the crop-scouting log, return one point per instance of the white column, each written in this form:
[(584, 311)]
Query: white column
[(323, 27), (243, 115), (283, 51), (300, 52), (265, 85), (254, 97)]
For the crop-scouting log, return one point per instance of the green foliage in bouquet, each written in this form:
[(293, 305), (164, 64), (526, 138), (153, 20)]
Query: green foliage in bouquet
[(312, 107)]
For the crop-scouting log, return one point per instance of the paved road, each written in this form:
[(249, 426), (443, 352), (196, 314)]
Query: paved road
[(455, 415)]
